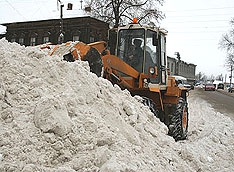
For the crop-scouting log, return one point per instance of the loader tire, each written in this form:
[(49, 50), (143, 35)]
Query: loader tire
[(152, 106), (95, 61), (178, 126)]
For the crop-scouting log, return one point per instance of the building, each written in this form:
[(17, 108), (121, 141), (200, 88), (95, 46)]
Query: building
[(30, 33), (181, 68)]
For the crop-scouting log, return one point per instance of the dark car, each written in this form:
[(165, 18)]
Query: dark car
[(187, 85), (209, 87), (220, 86)]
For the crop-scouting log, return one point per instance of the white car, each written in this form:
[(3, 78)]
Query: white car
[(183, 82)]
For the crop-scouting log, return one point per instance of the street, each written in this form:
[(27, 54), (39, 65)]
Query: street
[(220, 100)]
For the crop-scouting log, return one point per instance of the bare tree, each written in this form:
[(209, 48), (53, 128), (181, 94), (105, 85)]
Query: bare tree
[(119, 12), (201, 77), (227, 43)]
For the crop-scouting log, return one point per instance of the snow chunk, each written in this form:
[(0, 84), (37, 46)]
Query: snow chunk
[(52, 116)]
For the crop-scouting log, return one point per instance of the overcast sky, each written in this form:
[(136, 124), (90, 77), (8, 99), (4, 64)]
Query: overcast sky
[(195, 27)]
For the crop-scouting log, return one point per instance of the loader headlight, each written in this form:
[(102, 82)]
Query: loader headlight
[(152, 70), (146, 84)]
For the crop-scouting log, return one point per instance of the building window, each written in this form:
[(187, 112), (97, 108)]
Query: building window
[(172, 68), (21, 41), (13, 40), (76, 38), (46, 39), (91, 39), (33, 41)]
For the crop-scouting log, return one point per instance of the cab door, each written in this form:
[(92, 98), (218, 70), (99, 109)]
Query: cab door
[(163, 60)]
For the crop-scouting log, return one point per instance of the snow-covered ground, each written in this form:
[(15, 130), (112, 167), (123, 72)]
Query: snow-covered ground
[(58, 117)]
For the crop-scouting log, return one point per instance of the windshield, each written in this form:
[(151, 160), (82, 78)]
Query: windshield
[(151, 57), (131, 47)]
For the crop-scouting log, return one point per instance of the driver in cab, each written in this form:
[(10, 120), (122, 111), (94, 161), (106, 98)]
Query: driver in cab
[(134, 57)]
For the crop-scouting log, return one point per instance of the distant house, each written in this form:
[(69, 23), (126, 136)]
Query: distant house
[(30, 33), (181, 68)]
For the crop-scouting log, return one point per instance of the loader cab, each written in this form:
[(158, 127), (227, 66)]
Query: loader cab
[(143, 48)]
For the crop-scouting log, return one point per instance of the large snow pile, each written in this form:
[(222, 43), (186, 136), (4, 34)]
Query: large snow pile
[(58, 117)]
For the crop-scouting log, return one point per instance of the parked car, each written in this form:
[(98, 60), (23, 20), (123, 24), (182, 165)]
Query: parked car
[(231, 89), (209, 87), (220, 86), (182, 81), (189, 86)]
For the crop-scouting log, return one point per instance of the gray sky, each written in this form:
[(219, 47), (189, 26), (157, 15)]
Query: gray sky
[(195, 27)]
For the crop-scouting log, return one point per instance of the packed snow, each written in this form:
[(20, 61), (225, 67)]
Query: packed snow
[(57, 116)]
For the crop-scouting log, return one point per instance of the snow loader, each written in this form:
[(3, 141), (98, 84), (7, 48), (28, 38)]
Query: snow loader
[(135, 59)]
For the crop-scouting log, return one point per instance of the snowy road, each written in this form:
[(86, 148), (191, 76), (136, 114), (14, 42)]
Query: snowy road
[(210, 144), (220, 100)]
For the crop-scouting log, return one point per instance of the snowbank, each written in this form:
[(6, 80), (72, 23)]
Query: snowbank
[(58, 117)]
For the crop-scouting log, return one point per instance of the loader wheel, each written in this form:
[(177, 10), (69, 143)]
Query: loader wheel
[(178, 126), (148, 102), (95, 61)]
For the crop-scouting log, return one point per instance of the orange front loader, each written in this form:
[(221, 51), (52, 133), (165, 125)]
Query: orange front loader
[(136, 60)]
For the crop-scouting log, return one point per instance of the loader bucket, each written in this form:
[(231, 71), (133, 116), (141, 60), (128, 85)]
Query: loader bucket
[(72, 51), (95, 61)]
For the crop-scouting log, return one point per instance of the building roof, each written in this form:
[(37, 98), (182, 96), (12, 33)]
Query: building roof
[(6, 24), (55, 15)]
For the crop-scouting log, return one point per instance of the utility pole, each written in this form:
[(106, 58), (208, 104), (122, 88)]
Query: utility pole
[(231, 76), (177, 63), (225, 81), (61, 34)]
